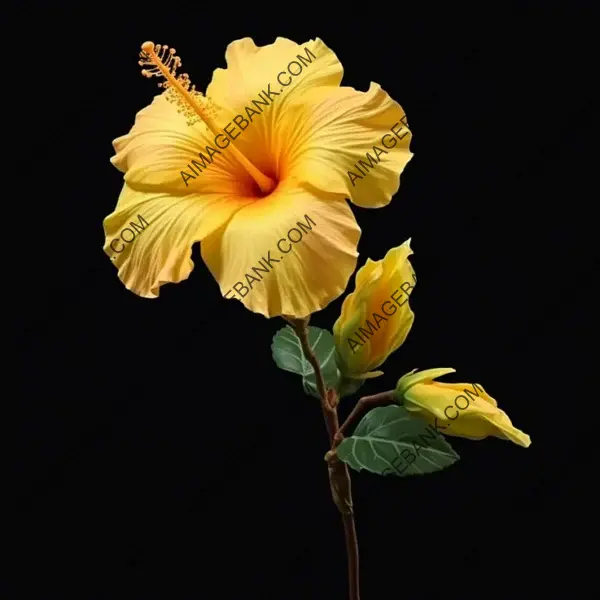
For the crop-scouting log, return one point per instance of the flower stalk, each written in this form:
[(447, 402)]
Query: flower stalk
[(339, 477)]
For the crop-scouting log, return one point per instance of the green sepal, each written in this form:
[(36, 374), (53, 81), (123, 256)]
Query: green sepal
[(348, 387)]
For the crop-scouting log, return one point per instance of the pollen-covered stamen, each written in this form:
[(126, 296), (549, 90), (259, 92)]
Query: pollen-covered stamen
[(170, 62), (161, 61)]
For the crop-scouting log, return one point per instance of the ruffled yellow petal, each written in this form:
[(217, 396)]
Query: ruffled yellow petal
[(271, 71), (162, 153), (255, 91), (348, 142), (149, 235), (313, 130), (291, 253)]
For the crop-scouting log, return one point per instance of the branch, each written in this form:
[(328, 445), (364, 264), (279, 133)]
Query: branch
[(339, 477), (381, 399), (328, 397), (302, 333)]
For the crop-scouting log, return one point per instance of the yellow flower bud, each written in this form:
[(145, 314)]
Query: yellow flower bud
[(376, 317), (458, 409)]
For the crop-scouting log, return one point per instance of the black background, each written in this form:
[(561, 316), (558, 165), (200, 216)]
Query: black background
[(159, 451)]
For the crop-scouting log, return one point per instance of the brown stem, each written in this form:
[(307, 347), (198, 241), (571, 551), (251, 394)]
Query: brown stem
[(339, 477), (301, 330), (352, 551), (341, 491), (380, 399)]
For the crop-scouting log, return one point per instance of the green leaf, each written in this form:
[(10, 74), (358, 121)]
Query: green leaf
[(390, 440), (288, 355)]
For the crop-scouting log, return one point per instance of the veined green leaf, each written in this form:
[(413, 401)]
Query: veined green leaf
[(288, 355), (390, 440)]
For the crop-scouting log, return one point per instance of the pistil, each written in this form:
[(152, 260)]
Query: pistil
[(166, 66)]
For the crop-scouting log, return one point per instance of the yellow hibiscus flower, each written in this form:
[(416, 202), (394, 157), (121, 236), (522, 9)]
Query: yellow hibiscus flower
[(258, 171)]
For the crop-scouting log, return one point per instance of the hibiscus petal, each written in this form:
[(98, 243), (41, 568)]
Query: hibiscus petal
[(475, 389), (293, 279), (329, 130), (480, 424), (355, 306), (149, 235), (161, 145), (252, 70)]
